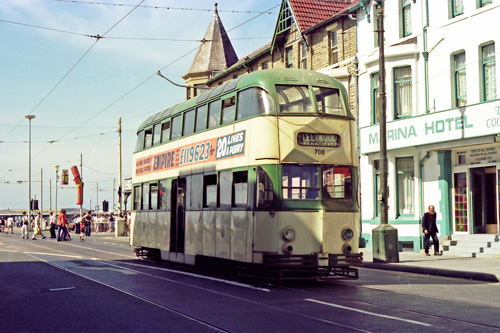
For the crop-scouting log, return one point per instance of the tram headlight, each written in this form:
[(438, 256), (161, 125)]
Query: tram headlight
[(287, 248), (347, 234), (288, 234), (347, 248)]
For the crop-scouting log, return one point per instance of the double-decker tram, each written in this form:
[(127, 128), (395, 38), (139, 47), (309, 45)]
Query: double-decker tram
[(259, 174)]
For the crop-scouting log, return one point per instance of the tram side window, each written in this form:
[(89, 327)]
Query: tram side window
[(225, 189), (300, 182), (294, 99), (165, 132), (201, 118), (148, 138), (140, 141), (252, 102), (176, 131), (137, 198), (145, 196), (163, 199), (328, 101), (228, 109), (188, 123), (265, 190), (337, 183), (153, 196), (214, 114), (210, 191), (194, 195), (156, 134), (240, 188)]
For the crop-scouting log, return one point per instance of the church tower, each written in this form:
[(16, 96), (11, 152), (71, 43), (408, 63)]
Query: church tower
[(214, 55)]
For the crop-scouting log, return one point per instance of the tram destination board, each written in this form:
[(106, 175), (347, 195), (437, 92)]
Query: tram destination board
[(318, 139)]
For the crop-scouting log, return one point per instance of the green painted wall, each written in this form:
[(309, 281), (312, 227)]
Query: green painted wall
[(445, 186)]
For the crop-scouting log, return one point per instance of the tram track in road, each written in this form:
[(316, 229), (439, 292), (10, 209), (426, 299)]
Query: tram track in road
[(392, 309), (155, 272)]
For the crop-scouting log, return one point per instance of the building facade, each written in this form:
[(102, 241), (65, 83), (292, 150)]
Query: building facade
[(443, 115)]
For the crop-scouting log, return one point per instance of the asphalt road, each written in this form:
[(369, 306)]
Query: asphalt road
[(98, 285)]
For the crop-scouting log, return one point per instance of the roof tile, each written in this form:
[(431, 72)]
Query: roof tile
[(311, 12)]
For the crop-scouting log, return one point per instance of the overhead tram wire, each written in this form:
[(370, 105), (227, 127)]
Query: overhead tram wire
[(162, 7), (97, 37), (71, 69), (145, 80)]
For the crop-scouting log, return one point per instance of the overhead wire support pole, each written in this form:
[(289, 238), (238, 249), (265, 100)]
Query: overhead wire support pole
[(120, 165), (384, 237)]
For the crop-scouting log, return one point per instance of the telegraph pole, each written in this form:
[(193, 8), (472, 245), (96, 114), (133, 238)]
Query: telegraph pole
[(81, 178), (385, 237), (120, 165)]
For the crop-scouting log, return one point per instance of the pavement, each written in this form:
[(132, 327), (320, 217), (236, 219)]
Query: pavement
[(481, 269)]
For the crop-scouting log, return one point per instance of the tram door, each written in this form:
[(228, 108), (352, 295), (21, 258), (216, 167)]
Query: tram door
[(483, 198), (178, 216)]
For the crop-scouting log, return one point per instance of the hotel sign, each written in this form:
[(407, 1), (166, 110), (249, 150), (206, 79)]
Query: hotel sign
[(462, 123)]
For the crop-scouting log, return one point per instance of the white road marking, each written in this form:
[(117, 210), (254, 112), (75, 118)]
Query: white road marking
[(61, 289), (238, 284), (369, 313)]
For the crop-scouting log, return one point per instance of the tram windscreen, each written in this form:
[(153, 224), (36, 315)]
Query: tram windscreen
[(329, 101), (337, 182), (300, 182), (294, 99)]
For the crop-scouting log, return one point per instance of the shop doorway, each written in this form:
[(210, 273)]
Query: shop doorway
[(484, 217)]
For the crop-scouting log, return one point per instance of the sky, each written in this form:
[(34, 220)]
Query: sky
[(52, 66)]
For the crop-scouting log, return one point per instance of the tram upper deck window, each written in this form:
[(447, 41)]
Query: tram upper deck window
[(140, 141), (328, 101), (228, 109), (294, 99), (201, 118), (337, 182), (300, 182), (176, 130), (165, 131), (188, 123), (265, 189), (156, 134), (148, 138), (214, 114), (252, 102)]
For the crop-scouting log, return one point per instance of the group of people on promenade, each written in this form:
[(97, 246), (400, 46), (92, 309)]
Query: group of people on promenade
[(84, 223)]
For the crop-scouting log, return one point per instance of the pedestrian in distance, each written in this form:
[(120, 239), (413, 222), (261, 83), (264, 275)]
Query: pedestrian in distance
[(62, 230), (24, 228), (88, 223), (430, 229), (111, 221), (80, 224), (10, 225), (52, 219), (38, 227)]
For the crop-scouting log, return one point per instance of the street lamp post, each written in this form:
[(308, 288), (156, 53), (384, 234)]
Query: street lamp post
[(384, 237), (29, 117), (57, 170)]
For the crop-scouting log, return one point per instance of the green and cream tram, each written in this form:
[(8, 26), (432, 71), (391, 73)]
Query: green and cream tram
[(260, 172)]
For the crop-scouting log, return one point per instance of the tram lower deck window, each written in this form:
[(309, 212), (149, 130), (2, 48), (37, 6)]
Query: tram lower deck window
[(300, 182), (337, 182)]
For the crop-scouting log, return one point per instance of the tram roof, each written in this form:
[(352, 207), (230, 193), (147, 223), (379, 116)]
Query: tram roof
[(264, 78)]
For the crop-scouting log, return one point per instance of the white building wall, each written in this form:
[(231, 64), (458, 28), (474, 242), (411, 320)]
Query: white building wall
[(446, 36)]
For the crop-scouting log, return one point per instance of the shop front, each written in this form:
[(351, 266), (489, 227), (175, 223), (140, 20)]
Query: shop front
[(457, 154), (475, 190)]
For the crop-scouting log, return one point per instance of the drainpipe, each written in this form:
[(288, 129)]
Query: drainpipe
[(421, 173), (426, 57)]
